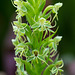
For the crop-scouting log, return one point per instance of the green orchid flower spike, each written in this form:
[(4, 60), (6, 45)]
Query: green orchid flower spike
[(35, 44)]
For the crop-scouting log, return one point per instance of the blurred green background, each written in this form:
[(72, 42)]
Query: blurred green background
[(66, 25)]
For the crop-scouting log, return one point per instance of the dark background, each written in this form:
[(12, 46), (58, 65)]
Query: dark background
[(66, 25), (6, 34)]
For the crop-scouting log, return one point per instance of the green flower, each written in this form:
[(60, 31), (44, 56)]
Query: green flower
[(43, 25), (55, 10), (55, 42), (57, 67), (21, 9), (56, 7), (36, 56)]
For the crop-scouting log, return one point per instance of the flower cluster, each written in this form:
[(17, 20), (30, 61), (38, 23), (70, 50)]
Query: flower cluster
[(31, 43)]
